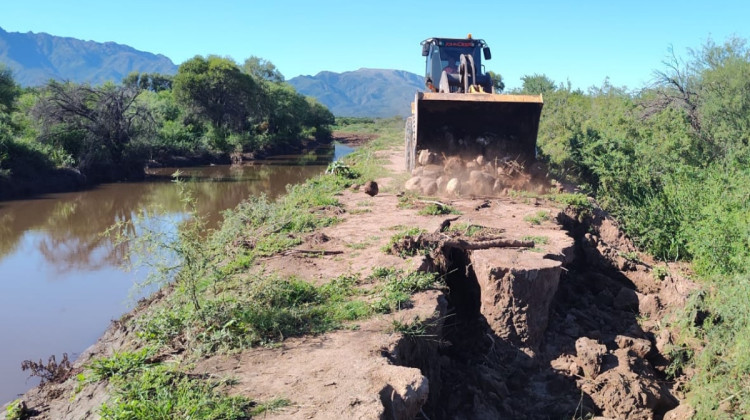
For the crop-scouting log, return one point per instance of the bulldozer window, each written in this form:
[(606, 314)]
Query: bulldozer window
[(449, 56)]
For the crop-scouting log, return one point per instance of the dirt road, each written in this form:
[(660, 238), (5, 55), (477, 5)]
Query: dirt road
[(545, 313)]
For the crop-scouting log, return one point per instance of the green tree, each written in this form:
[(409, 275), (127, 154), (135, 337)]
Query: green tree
[(497, 81), (95, 125), (154, 82), (262, 69), (216, 90), (8, 89), (537, 84)]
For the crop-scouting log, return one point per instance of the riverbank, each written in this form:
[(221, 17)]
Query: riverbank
[(61, 180), (334, 303)]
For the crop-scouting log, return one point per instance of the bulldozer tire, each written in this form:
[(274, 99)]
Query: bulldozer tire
[(410, 140)]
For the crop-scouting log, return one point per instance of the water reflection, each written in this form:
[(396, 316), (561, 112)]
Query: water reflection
[(60, 279)]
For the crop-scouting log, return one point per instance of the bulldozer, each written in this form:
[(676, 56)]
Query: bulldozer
[(460, 114)]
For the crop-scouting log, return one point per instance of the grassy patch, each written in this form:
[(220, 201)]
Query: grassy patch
[(272, 406), (360, 211), (660, 272), (435, 209), (465, 229), (164, 392), (413, 329), (16, 411), (394, 244), (364, 244), (576, 200), (407, 201), (537, 218), (396, 288), (121, 364), (538, 240)]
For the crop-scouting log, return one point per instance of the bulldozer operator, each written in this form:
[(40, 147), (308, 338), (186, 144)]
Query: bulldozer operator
[(451, 64)]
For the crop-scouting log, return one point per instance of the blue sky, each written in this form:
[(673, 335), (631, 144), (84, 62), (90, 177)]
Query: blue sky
[(580, 41)]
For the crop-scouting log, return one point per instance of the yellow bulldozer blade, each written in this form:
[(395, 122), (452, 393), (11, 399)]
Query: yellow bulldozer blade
[(472, 124)]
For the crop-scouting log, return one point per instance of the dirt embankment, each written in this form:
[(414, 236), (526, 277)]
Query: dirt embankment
[(545, 314)]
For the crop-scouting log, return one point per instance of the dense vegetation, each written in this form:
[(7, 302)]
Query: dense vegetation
[(671, 162), (211, 108)]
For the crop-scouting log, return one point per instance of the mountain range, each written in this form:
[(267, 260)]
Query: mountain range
[(35, 58), (362, 93)]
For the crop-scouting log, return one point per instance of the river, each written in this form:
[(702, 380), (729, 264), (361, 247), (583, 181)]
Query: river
[(62, 281)]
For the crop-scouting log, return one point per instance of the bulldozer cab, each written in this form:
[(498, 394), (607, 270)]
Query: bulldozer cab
[(444, 54)]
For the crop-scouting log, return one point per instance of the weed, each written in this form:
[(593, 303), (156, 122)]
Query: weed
[(407, 201), (395, 243), (17, 410), (271, 406), (383, 272), (576, 200), (660, 272), (436, 209), (163, 392), (630, 256), (360, 211), (396, 292), (51, 372), (340, 169), (416, 328), (120, 364), (162, 325), (538, 217), (538, 240), (466, 229)]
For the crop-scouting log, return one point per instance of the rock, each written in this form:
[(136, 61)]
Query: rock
[(405, 394), (471, 165), (649, 305), (429, 187), (453, 187), (480, 160), (355, 187), (432, 171), (626, 395), (371, 188), (626, 300), (663, 341), (413, 184), (589, 356), (417, 171), (441, 183), (481, 183), (498, 186), (683, 411), (638, 346), (426, 157), (453, 166)]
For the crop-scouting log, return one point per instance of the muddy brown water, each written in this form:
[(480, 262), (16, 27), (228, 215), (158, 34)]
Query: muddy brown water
[(62, 282)]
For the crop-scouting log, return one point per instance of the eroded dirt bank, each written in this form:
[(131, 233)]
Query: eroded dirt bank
[(545, 313)]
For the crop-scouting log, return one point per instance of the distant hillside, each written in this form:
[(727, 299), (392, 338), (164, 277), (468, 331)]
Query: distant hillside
[(36, 58), (362, 93)]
